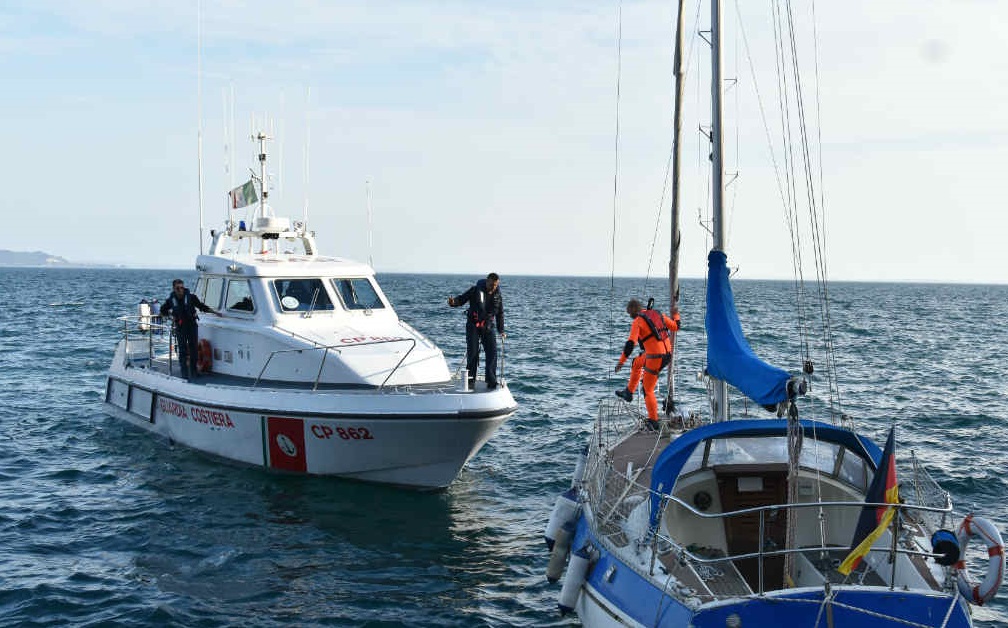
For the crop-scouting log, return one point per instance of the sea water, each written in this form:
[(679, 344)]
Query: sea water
[(102, 524)]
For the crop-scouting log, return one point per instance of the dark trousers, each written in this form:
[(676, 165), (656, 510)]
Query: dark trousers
[(474, 337), (186, 338)]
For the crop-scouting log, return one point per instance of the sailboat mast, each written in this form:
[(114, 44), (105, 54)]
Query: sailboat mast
[(676, 146), (720, 388), (717, 122)]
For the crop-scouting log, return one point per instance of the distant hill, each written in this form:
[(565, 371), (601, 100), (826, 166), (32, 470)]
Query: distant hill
[(33, 258)]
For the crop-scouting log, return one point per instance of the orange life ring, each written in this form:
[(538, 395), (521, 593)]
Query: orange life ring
[(204, 356), (978, 593)]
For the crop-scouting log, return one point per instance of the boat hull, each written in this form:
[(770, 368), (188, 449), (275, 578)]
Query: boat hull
[(419, 440)]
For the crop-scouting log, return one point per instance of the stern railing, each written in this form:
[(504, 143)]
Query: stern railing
[(621, 516)]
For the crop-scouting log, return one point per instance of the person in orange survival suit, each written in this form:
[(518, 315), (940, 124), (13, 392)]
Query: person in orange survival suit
[(652, 330)]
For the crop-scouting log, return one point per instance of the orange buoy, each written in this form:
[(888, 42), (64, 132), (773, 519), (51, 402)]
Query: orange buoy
[(204, 356)]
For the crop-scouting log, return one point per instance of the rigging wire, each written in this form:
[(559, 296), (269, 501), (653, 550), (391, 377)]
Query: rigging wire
[(668, 164), (815, 218), (612, 253), (785, 185), (828, 338), (796, 154), (791, 210)]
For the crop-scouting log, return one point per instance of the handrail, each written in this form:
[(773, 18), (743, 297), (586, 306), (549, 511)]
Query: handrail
[(158, 328), (596, 485), (754, 509), (338, 348), (781, 552)]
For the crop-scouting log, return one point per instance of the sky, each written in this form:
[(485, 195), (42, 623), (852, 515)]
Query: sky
[(487, 132)]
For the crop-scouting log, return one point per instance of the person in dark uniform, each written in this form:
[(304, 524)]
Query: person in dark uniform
[(181, 305), (485, 306)]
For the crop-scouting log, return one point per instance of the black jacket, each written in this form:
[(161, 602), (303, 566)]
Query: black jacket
[(183, 311), (483, 306)]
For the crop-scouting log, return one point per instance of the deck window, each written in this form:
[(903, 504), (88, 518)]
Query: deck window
[(214, 287), (853, 470), (758, 450), (302, 295), (696, 459), (239, 296), (358, 294), (819, 455)]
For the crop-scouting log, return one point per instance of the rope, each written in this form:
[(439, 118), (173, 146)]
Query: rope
[(612, 253)]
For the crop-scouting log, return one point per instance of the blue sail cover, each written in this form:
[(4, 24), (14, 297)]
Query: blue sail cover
[(729, 356)]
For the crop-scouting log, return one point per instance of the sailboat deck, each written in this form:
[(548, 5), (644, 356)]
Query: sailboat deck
[(710, 582), (636, 455)]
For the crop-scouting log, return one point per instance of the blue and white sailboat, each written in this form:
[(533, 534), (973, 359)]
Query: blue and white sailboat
[(730, 522)]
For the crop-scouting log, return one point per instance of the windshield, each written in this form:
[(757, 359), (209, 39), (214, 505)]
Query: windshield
[(302, 295), (358, 294)]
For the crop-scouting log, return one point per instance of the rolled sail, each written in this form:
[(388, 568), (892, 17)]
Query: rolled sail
[(729, 356)]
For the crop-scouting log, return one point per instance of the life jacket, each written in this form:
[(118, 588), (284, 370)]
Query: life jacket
[(478, 305), (656, 323), (183, 312)]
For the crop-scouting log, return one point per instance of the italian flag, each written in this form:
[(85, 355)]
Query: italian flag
[(243, 195)]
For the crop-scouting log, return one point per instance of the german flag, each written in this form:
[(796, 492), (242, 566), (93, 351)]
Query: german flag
[(875, 519)]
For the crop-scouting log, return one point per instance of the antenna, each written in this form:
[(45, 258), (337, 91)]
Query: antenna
[(367, 187), (277, 131), (230, 121), (228, 139), (307, 151), (199, 114)]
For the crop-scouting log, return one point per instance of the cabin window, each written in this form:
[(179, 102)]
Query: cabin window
[(747, 450), (853, 470), (696, 459), (302, 295), (358, 294), (200, 290), (239, 296), (819, 455), (214, 287)]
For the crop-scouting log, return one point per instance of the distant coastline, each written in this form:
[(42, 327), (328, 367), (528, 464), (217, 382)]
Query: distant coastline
[(41, 259)]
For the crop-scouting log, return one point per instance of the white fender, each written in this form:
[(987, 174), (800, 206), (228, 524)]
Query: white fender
[(563, 511), (987, 532), (577, 572), (144, 317), (558, 557), (579, 469)]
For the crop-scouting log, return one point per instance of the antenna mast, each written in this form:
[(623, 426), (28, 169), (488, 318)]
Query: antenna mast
[(367, 186), (307, 151), (199, 114)]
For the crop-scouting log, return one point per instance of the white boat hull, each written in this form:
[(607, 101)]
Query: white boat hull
[(416, 439)]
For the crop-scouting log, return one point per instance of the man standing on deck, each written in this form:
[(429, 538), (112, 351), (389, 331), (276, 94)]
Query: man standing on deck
[(652, 330), (182, 306), (485, 305)]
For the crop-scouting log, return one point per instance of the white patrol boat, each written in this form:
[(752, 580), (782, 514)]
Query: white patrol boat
[(308, 370)]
